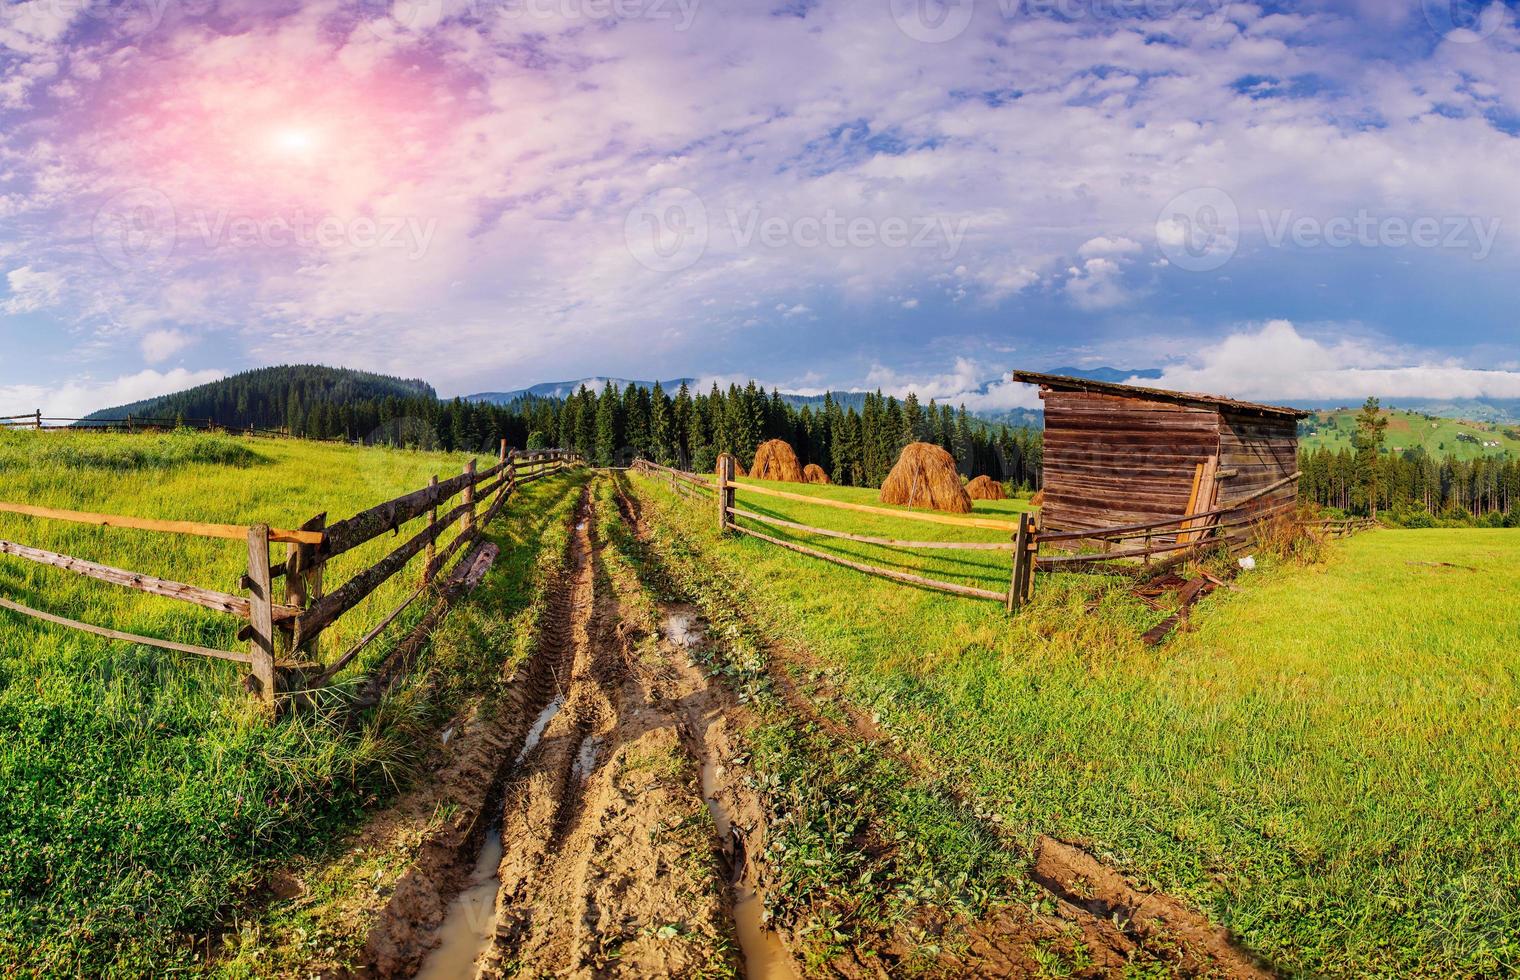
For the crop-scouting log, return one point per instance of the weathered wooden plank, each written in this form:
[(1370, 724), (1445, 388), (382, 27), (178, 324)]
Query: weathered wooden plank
[(230, 532), (206, 598), (110, 634), (389, 516), (913, 515), (882, 542), (907, 577), (261, 618)]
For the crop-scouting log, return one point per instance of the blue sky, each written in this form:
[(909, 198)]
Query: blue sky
[(1291, 200)]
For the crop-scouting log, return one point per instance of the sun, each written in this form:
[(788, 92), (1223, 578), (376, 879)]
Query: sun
[(294, 141)]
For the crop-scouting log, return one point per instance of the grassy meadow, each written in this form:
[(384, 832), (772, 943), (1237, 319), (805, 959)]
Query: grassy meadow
[(142, 793), (1325, 765), (1440, 437)]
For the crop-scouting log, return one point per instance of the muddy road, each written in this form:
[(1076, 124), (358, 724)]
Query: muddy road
[(616, 829)]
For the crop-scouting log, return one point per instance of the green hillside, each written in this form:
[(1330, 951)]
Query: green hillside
[(1463, 438)]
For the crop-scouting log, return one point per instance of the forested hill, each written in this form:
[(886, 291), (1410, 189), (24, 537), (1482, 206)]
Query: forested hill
[(298, 395)]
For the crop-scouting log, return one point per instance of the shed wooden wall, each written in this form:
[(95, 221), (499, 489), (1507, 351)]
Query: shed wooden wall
[(1263, 449), (1112, 460)]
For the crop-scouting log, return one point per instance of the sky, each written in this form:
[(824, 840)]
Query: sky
[(1310, 200)]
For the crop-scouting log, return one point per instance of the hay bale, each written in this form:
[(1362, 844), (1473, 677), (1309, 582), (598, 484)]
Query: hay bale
[(1038, 500), (925, 476), (774, 460), (985, 488), (813, 473), (738, 468)]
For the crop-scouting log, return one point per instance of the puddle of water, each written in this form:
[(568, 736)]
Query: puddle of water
[(765, 958), (467, 931), (539, 724), (685, 628), (585, 760)]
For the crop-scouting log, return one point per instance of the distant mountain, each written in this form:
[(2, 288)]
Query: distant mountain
[(564, 389), (271, 397)]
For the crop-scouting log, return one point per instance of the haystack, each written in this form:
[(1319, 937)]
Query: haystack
[(738, 468), (925, 476), (813, 473), (1038, 500), (774, 460), (985, 488)]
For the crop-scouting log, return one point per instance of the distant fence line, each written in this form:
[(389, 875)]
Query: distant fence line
[(281, 634), (131, 423), (1172, 541)]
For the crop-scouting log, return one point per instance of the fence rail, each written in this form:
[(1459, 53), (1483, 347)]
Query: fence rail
[(282, 633), (131, 423), (1171, 540)]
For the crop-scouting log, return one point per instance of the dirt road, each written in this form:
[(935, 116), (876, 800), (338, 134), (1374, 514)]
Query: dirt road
[(620, 831)]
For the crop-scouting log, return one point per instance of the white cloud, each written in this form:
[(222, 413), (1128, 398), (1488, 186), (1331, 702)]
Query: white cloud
[(79, 398), (160, 345), (1097, 285), (1104, 245), (1278, 362), (32, 290)]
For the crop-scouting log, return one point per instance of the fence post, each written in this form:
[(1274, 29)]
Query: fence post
[(39, 420), (725, 491), (261, 615), (1020, 564), (469, 499), (432, 545), (303, 579)]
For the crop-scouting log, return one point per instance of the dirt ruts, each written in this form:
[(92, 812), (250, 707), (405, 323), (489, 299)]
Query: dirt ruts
[(631, 840)]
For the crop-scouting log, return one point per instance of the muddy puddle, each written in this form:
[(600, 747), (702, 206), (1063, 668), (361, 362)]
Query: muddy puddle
[(764, 956), (466, 933)]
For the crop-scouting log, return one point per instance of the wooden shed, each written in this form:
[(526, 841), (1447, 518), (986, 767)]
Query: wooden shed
[(1120, 454)]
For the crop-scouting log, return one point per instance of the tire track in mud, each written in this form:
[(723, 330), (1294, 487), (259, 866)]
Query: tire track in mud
[(609, 864), (1121, 926)]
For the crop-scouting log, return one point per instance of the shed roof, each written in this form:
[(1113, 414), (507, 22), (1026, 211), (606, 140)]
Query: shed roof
[(1062, 383)]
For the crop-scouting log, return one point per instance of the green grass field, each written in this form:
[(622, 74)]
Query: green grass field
[(1439, 436), (1325, 766), (142, 793)]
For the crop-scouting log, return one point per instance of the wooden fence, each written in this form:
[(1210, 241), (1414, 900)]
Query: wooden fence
[(1110, 550), (132, 423), (282, 631)]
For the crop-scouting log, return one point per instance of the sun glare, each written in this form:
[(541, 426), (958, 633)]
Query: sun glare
[(294, 141)]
